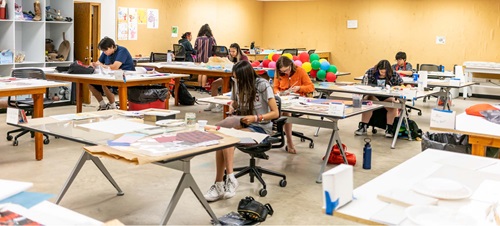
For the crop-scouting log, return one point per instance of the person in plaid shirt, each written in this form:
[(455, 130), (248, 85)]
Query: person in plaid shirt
[(381, 73)]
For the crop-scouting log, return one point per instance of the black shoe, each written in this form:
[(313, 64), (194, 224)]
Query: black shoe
[(362, 129), (389, 131)]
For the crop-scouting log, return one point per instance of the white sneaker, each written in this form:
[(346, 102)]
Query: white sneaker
[(217, 109), (215, 192), (231, 186), (210, 107)]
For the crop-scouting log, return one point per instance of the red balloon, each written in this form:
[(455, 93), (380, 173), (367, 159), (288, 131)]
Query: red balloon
[(331, 77), (304, 57), (313, 73), (256, 63), (265, 63), (276, 57), (295, 58)]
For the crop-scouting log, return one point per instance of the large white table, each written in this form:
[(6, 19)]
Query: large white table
[(328, 87), (37, 89), (468, 170), (109, 80), (96, 142)]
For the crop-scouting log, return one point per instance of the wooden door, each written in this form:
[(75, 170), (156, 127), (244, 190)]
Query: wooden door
[(87, 34)]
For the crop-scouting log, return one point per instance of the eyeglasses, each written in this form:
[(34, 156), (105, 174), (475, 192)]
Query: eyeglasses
[(287, 70)]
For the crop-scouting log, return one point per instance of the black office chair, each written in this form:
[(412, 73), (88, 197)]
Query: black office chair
[(259, 151), (294, 52), (220, 51), (26, 104), (311, 51), (179, 52), (158, 57)]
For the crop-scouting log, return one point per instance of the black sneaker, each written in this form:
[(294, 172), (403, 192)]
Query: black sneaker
[(102, 108), (361, 129), (389, 132)]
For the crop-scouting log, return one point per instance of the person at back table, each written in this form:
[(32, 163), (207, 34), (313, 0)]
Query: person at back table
[(402, 67), (235, 56), (113, 57), (381, 73), (203, 45), (185, 41), (291, 79)]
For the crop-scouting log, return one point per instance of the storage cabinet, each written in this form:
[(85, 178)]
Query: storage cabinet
[(29, 36)]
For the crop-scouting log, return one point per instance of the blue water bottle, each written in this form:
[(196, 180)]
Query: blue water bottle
[(367, 154), (415, 77)]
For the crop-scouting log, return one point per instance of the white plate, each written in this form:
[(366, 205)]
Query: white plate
[(437, 215), (442, 188), (171, 122)]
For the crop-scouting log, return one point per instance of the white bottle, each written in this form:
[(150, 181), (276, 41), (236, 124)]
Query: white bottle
[(365, 79), (169, 57)]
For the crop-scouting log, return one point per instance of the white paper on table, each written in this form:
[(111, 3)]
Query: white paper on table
[(12, 116), (9, 187), (488, 191), (468, 163), (116, 126), (77, 116), (390, 214), (258, 137)]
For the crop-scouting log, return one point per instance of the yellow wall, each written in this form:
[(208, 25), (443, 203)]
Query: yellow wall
[(471, 28), (231, 21)]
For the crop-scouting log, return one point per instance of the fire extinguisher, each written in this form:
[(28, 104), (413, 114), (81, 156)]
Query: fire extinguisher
[(367, 154)]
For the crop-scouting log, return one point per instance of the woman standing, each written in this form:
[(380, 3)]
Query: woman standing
[(203, 45), (254, 99)]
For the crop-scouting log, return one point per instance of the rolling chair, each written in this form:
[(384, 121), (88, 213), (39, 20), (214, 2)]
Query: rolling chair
[(158, 57), (259, 151), (294, 52), (220, 51), (179, 52), (26, 104)]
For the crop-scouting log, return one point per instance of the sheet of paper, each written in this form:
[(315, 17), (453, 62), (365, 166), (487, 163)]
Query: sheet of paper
[(390, 214), (488, 191), (259, 137), (9, 187), (77, 116), (27, 199), (12, 116), (116, 126), (467, 163)]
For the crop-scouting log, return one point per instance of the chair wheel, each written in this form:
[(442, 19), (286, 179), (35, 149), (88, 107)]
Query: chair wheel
[(10, 137), (46, 141), (374, 131), (263, 192), (419, 113), (282, 183), (15, 143), (311, 145), (32, 134), (302, 140), (409, 109)]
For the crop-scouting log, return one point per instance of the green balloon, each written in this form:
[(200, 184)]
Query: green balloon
[(314, 57), (265, 57), (321, 74), (333, 69), (315, 64)]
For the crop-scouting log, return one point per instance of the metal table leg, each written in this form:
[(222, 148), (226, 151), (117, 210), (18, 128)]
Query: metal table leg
[(335, 137), (83, 158)]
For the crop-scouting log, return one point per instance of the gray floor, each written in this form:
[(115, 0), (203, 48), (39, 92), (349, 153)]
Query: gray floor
[(148, 188)]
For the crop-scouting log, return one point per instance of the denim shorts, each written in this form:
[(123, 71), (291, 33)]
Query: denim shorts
[(256, 129)]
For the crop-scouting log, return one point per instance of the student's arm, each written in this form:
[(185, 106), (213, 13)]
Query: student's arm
[(100, 61), (276, 84), (120, 58), (306, 84)]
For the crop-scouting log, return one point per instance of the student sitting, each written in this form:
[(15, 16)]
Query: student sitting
[(402, 67), (113, 57), (381, 73), (185, 41), (254, 99)]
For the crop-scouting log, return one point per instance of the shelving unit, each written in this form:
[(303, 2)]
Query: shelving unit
[(29, 36)]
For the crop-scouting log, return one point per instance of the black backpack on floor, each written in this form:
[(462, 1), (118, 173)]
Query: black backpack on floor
[(185, 97)]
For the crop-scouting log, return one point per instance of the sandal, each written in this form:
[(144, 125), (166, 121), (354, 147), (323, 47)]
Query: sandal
[(291, 151)]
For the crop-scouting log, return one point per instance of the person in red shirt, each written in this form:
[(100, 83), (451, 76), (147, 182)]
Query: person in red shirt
[(289, 78)]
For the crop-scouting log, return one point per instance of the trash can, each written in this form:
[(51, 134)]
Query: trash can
[(446, 141), (143, 97)]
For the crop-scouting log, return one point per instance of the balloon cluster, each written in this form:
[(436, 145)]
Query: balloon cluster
[(312, 64)]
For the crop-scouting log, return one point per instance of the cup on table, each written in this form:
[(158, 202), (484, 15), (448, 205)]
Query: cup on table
[(190, 119), (202, 124), (118, 74), (357, 100)]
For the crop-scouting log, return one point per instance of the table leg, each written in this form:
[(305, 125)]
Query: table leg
[(333, 138), (225, 89), (176, 90), (402, 114), (38, 113), (83, 158), (79, 97), (187, 181), (479, 144), (167, 85), (122, 95)]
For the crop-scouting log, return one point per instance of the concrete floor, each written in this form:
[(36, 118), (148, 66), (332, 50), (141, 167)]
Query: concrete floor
[(148, 188)]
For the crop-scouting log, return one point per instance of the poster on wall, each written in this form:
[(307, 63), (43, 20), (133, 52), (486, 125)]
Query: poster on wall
[(141, 16), (152, 18), (175, 31), (122, 31), (122, 15), (132, 24)]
